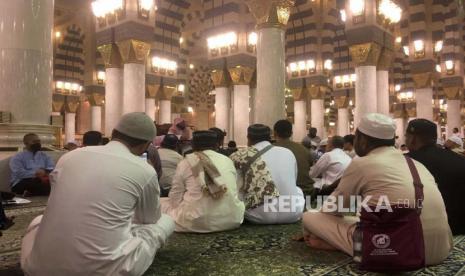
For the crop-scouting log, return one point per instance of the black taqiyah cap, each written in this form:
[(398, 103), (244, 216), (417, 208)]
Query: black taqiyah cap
[(258, 130), (204, 138), (422, 127)]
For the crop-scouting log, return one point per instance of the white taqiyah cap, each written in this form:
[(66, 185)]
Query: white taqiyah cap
[(378, 126), (457, 140), (137, 125), (324, 142)]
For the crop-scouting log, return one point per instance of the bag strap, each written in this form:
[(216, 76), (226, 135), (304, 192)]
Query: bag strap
[(416, 183), (254, 158)]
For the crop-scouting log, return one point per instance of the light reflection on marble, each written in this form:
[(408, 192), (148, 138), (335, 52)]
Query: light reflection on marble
[(165, 112), (134, 88), (26, 60), (113, 98), (382, 88), (222, 106), (423, 98), (365, 97), (241, 108), (300, 121), (343, 121), (317, 119)]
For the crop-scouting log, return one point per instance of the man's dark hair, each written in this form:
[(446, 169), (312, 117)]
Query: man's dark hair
[(283, 129), (130, 141), (105, 140), (337, 142), (455, 130), (204, 140), (232, 144), (27, 136), (257, 133), (170, 141), (376, 143), (220, 134), (92, 138), (349, 139)]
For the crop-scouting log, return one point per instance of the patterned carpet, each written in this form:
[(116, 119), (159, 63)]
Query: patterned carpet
[(250, 250)]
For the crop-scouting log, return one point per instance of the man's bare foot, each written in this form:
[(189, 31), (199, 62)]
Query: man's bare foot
[(317, 243), (298, 237)]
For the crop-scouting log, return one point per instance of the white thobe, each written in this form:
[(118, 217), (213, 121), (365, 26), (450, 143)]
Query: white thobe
[(282, 165), (169, 161), (103, 216), (193, 210), (330, 166)]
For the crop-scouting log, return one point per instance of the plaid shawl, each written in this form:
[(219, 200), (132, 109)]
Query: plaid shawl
[(206, 174), (257, 179)]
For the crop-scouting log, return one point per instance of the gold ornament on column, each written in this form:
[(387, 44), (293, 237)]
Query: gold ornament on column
[(134, 51), (317, 92), (151, 90), (300, 94), (271, 13), (220, 78), (385, 59), (58, 102), (96, 99), (452, 93), (71, 104), (341, 101), (241, 75), (422, 80), (110, 55), (165, 93), (365, 54)]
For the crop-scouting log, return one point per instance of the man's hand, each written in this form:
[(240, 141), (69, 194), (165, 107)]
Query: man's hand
[(41, 173)]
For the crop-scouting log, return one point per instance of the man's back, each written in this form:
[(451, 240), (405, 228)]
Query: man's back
[(96, 193), (303, 158), (448, 169), (169, 162)]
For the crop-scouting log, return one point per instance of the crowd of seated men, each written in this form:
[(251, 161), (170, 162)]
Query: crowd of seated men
[(113, 206)]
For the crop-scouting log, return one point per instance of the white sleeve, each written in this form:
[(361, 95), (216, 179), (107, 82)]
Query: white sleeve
[(320, 166)]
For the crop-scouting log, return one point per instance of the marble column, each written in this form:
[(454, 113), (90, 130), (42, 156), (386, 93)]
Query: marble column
[(365, 92), (165, 112), (272, 17), (150, 108), (96, 118), (70, 127), (222, 107), (454, 116), (401, 125), (343, 121), (300, 121), (26, 70), (382, 88), (423, 98), (134, 54), (318, 117), (113, 86)]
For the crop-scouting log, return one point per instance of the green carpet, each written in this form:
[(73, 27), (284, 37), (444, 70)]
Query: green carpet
[(249, 250)]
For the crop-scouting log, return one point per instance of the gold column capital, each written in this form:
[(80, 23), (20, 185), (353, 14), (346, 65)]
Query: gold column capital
[(151, 90), (133, 51), (385, 59), (411, 112), (317, 92), (300, 94), (58, 102), (96, 99), (452, 93), (165, 93), (341, 101), (220, 78), (241, 75), (422, 80), (71, 104), (365, 54), (110, 55), (271, 13)]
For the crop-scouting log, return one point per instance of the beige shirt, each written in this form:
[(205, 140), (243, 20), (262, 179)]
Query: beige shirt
[(193, 210), (169, 161), (384, 172)]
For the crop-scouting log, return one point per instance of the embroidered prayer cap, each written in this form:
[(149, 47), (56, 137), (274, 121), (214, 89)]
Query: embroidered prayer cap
[(204, 139), (378, 126), (170, 141), (456, 140), (137, 125), (422, 127), (258, 130)]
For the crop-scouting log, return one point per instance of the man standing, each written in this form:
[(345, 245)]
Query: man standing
[(30, 168), (331, 164), (282, 133), (267, 172), (447, 168), (311, 138), (381, 172), (103, 216)]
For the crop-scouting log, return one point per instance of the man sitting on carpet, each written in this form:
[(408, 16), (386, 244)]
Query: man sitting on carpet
[(103, 216), (203, 197), (30, 168), (381, 170), (268, 172)]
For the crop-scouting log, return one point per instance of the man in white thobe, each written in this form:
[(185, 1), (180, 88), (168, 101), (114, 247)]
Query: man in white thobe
[(103, 216), (331, 165), (278, 164)]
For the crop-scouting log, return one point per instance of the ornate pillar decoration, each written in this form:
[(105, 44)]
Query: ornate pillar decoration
[(241, 78), (272, 17), (365, 56), (317, 119), (134, 54), (221, 80), (151, 91), (26, 62), (71, 106), (164, 95), (113, 86), (300, 112), (96, 101)]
